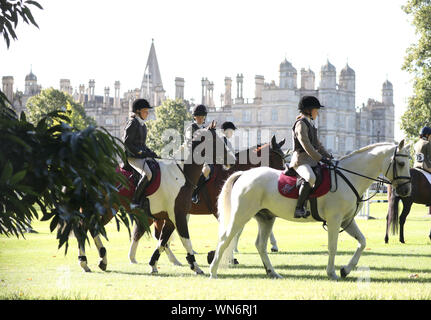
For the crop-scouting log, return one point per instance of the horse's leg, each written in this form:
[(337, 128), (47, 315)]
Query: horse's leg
[(137, 233), (172, 258), (103, 262), (238, 219), (265, 228), (236, 239), (158, 227), (274, 247), (390, 215), (83, 258), (354, 231), (406, 210), (165, 234), (333, 229)]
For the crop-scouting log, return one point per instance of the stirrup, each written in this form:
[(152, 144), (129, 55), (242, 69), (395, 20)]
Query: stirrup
[(195, 198), (300, 213)]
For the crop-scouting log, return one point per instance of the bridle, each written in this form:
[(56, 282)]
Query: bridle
[(381, 181)]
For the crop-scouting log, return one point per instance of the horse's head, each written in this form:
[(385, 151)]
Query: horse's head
[(276, 155), (399, 170)]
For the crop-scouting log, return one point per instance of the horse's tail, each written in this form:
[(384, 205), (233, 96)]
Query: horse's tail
[(224, 211), (393, 213)]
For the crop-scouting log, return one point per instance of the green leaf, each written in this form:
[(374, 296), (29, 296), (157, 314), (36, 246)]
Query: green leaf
[(17, 177), (6, 173)]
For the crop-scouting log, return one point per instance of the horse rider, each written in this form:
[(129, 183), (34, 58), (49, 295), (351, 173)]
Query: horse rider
[(308, 150), (137, 152), (199, 115), (228, 130), (423, 150)]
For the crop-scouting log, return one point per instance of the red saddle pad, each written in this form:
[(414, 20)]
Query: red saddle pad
[(154, 185), (287, 185)]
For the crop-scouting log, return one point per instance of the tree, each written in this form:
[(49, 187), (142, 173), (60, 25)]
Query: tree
[(418, 63), (68, 174), (10, 12), (50, 100), (171, 115)]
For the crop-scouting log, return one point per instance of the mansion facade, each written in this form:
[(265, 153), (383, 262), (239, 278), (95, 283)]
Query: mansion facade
[(343, 127)]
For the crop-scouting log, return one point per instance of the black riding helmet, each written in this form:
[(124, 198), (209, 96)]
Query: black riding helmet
[(228, 125), (139, 104), (309, 102), (200, 110)]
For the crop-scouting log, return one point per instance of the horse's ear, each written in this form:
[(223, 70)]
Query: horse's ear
[(273, 141), (401, 145), (281, 142)]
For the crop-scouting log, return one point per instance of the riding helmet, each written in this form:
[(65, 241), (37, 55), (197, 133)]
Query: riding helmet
[(228, 125), (200, 110), (425, 131), (309, 102), (139, 104)]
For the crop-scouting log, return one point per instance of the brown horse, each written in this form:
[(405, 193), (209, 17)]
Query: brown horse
[(172, 200), (209, 194), (421, 194)]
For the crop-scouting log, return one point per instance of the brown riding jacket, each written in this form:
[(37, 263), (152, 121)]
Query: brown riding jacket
[(423, 155), (307, 147)]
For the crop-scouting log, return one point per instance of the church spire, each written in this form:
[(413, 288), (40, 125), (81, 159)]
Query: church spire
[(152, 80)]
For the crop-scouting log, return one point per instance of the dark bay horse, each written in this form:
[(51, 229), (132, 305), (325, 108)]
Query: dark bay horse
[(421, 194), (209, 194)]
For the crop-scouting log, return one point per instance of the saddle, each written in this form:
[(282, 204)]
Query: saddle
[(133, 178), (289, 182)]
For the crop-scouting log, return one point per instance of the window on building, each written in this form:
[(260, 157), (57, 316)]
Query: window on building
[(246, 115), (274, 115)]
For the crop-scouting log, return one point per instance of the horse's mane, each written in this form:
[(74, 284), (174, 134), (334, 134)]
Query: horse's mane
[(363, 149)]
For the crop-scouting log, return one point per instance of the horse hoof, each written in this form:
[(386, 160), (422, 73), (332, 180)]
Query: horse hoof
[(234, 261), (210, 256), (154, 271), (133, 261), (274, 275), (103, 266), (343, 272), (274, 249)]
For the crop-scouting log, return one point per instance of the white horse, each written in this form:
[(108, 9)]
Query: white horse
[(246, 193)]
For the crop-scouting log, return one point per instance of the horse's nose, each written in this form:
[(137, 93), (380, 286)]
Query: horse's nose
[(404, 190)]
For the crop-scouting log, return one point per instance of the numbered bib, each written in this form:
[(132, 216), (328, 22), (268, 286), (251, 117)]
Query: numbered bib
[(420, 157)]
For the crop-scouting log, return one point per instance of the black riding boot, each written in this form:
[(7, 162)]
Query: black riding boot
[(304, 192), (201, 183), (137, 200)]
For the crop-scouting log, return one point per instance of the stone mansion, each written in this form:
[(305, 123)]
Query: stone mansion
[(343, 126)]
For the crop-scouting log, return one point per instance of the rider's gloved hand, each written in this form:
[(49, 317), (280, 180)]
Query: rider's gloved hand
[(326, 161)]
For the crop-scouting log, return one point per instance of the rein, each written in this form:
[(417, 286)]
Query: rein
[(380, 181)]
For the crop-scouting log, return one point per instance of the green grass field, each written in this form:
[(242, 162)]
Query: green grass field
[(35, 269)]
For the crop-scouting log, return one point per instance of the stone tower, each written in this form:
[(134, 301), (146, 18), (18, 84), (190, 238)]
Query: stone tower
[(117, 101), (179, 88), (31, 87), (7, 83), (347, 79), (328, 76), (65, 86), (288, 75), (227, 91), (388, 94), (307, 79)]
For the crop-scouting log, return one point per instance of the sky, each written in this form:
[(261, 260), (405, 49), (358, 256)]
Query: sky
[(109, 40)]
